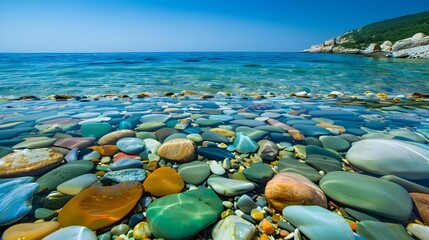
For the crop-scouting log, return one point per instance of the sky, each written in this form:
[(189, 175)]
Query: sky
[(185, 25)]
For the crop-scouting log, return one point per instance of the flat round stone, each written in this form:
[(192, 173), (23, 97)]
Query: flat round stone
[(194, 172), (318, 223), (130, 145), (98, 206), (229, 187), (370, 194), (113, 137), (77, 184), (199, 208), (391, 157), (30, 230), (29, 162), (258, 172), (163, 181), (181, 150)]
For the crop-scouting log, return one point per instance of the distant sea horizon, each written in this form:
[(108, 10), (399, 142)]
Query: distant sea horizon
[(42, 74)]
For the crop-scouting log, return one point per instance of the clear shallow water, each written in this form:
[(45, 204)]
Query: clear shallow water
[(131, 73)]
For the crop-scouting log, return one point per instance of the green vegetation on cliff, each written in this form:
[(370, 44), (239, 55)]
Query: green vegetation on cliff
[(392, 29)]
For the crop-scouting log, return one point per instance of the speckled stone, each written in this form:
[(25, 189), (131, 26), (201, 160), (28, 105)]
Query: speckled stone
[(181, 150), (130, 174)]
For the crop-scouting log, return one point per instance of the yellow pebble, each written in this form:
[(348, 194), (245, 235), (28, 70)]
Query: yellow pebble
[(141, 231), (225, 213), (257, 215)]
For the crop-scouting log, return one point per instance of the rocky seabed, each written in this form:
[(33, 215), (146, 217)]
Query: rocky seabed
[(218, 167)]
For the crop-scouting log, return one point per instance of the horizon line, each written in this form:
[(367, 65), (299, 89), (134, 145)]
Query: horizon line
[(83, 52)]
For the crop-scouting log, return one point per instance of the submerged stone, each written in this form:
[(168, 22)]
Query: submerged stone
[(229, 187), (382, 231), (99, 206), (370, 194), (166, 215), (391, 157), (163, 181), (318, 223)]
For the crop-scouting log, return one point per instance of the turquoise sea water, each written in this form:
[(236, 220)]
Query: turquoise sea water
[(131, 73)]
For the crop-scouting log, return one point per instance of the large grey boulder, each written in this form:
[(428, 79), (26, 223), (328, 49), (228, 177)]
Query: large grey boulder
[(372, 48), (419, 39)]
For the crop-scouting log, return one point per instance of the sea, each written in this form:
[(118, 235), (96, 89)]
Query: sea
[(42, 74)]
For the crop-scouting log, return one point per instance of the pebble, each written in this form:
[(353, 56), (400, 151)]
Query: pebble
[(420, 231), (77, 184), (129, 174), (217, 168), (246, 204), (113, 137), (72, 233), (142, 231), (180, 150), (30, 230), (163, 181), (100, 206), (287, 189), (194, 172), (233, 227), (229, 187), (16, 195), (130, 145)]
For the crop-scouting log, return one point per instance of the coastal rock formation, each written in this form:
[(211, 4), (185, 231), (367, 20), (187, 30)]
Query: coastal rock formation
[(419, 39)]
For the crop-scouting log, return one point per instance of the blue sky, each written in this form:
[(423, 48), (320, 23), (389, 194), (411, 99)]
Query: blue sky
[(185, 25)]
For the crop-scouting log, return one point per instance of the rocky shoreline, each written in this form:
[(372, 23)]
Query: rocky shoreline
[(416, 47), (215, 166)]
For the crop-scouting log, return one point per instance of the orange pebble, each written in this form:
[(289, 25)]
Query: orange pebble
[(266, 227), (122, 155), (264, 237), (106, 150)]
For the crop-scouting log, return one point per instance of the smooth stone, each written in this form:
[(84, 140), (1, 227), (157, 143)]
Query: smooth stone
[(126, 164), (377, 135), (29, 162), (421, 201), (270, 129), (146, 135), (91, 156), (295, 166), (203, 122), (287, 189), (313, 141), (197, 138), (214, 153), (322, 159), (407, 134), (200, 208), (246, 204), (244, 144), (63, 173), (163, 133), (129, 123), (268, 150), (72, 233), (369, 194), (120, 229), (223, 118), (318, 223), (334, 142), (77, 184), (214, 137), (180, 150), (175, 136), (35, 142), (130, 174), (420, 231), (44, 213), (253, 133), (301, 122), (95, 130), (155, 118), (72, 155), (130, 145), (74, 142), (312, 131), (30, 230), (142, 231), (150, 126), (152, 145), (194, 172), (391, 157), (381, 231), (163, 181), (217, 168), (229, 187), (408, 185), (233, 227), (100, 206), (258, 172), (360, 216), (135, 219), (248, 122), (106, 150), (112, 137), (355, 131), (56, 203), (16, 195), (330, 113), (86, 115), (377, 125)]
